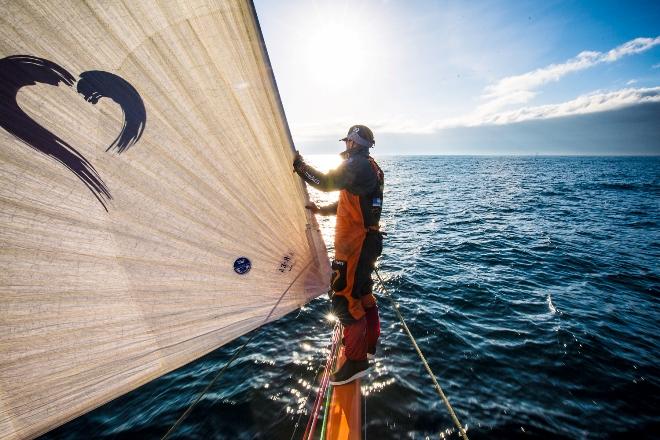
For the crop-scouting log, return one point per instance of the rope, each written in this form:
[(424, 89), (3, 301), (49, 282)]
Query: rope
[(395, 306), (333, 353), (364, 416), (328, 398), (300, 413), (325, 380), (229, 362)]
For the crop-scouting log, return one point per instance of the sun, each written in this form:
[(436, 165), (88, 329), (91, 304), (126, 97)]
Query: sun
[(335, 54)]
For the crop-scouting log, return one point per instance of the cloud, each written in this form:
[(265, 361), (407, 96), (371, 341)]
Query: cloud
[(595, 102), (631, 130), (655, 66), (519, 89), (590, 103)]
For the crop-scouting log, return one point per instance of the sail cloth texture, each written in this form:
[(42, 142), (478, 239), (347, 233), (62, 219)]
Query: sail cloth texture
[(148, 208)]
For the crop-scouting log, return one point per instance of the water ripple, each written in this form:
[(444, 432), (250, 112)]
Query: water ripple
[(532, 285)]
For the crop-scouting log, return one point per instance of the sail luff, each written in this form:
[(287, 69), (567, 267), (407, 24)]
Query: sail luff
[(313, 235)]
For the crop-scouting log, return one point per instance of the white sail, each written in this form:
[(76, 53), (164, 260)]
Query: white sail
[(148, 209)]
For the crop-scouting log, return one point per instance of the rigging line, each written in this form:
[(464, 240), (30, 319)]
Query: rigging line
[(395, 306), (333, 342), (295, 428), (364, 416), (311, 424), (328, 396), (233, 357), (326, 408)]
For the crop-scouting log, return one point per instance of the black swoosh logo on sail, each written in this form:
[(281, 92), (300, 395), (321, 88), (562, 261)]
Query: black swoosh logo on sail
[(18, 71), (95, 84)]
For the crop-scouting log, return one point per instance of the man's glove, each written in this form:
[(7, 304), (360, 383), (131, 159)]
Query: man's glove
[(298, 161)]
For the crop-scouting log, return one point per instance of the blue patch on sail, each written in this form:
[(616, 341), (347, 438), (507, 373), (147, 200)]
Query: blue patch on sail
[(242, 266)]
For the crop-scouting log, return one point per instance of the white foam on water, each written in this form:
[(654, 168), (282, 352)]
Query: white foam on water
[(551, 306)]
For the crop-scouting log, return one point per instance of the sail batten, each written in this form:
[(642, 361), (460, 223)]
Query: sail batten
[(148, 210)]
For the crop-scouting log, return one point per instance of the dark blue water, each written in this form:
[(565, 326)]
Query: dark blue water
[(532, 284)]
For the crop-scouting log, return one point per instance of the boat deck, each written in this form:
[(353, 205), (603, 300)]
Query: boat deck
[(345, 411)]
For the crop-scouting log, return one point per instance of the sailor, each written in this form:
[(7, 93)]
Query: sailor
[(358, 243)]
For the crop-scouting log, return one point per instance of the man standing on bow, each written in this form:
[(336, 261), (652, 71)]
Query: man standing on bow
[(358, 243)]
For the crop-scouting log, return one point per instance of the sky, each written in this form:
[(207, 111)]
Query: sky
[(478, 77)]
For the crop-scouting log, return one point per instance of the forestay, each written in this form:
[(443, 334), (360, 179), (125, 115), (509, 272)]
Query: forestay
[(148, 209)]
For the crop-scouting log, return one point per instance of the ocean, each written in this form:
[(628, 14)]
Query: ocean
[(532, 284)]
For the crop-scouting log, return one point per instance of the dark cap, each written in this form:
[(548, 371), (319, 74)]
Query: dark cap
[(361, 135)]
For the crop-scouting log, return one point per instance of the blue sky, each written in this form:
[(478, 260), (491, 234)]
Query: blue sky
[(487, 77)]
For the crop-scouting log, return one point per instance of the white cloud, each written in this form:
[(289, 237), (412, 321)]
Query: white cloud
[(594, 102), (655, 66), (590, 103), (519, 89), (631, 82)]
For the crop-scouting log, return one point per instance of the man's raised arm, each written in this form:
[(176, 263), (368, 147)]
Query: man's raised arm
[(332, 181)]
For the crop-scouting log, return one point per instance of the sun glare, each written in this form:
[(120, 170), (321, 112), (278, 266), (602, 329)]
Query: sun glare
[(325, 162), (335, 54)]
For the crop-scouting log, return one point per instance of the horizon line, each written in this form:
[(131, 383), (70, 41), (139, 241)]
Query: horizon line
[(505, 155)]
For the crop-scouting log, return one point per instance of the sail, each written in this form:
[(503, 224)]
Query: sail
[(148, 209)]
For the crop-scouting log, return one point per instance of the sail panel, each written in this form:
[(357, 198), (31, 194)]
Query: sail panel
[(148, 209)]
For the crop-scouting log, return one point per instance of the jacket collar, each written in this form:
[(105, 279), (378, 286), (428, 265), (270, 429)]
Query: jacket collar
[(357, 151)]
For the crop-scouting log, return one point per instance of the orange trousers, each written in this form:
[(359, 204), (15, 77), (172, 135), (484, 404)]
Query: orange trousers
[(353, 301)]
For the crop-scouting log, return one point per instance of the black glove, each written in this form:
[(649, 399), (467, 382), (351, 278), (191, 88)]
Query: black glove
[(298, 161)]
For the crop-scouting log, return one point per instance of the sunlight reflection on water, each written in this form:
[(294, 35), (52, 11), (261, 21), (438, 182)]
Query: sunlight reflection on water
[(475, 245)]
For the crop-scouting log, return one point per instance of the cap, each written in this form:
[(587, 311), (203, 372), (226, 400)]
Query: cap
[(361, 135)]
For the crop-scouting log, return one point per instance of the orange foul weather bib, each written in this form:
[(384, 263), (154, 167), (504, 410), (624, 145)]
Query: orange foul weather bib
[(356, 250), (358, 242)]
